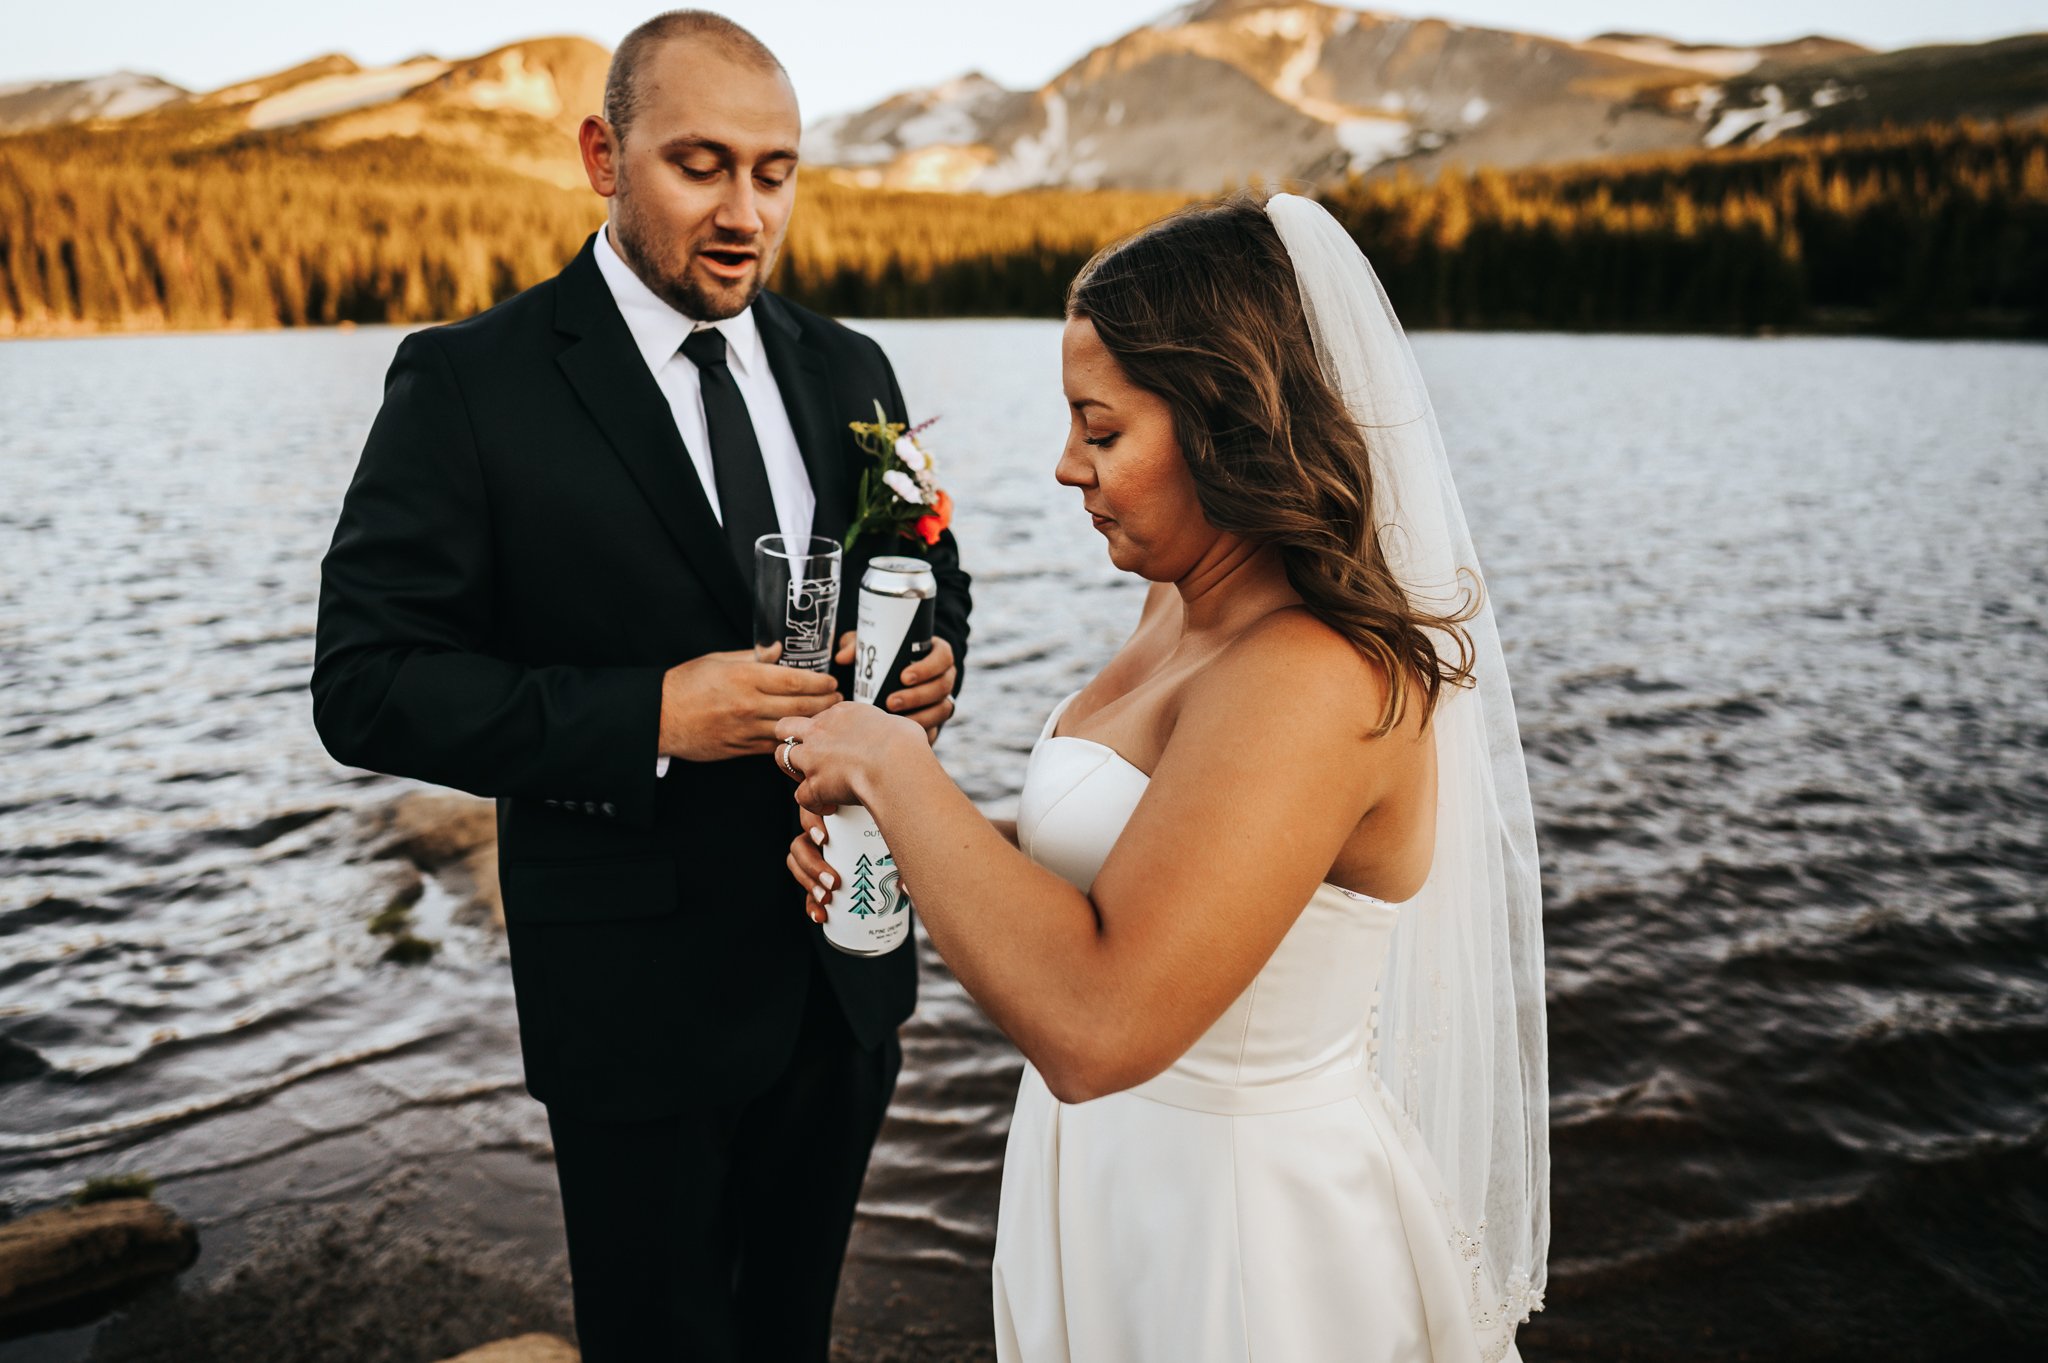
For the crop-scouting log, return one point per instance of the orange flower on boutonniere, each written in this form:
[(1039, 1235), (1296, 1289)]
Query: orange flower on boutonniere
[(901, 492), (937, 519)]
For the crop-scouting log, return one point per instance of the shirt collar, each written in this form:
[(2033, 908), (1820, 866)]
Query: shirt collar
[(658, 330)]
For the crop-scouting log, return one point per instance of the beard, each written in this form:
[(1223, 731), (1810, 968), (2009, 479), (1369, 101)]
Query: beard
[(664, 266)]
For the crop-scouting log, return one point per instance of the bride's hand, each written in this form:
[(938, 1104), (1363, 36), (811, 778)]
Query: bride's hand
[(842, 751), (806, 862)]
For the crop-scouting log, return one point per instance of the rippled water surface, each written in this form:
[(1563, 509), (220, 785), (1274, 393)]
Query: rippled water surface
[(1775, 612)]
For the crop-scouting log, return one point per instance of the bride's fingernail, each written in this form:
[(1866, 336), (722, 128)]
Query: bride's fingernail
[(818, 836), (818, 893), (828, 880)]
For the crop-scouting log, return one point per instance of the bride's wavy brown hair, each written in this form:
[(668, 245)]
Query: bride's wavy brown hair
[(1202, 308)]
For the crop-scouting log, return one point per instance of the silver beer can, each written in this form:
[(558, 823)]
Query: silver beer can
[(897, 610)]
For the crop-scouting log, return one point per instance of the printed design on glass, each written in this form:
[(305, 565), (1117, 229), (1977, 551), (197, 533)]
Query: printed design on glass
[(807, 622)]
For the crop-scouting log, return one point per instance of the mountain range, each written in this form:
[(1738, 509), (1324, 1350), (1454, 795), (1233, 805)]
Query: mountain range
[(1210, 94), (516, 107), (1217, 92)]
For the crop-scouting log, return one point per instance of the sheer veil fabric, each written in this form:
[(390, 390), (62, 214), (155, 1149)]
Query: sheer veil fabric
[(1462, 1036)]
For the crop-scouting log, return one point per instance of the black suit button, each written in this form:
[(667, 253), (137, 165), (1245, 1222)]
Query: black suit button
[(553, 804), (610, 811), (590, 806)]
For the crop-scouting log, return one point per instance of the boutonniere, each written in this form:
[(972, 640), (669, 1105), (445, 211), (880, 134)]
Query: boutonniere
[(900, 494)]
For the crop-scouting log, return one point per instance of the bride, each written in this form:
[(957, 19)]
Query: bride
[(1267, 927)]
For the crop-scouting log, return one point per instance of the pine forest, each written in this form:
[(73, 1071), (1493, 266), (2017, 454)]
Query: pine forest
[(1933, 230)]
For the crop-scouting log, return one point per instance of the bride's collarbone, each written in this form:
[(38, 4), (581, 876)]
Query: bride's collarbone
[(1133, 712), (1134, 716), (1133, 703)]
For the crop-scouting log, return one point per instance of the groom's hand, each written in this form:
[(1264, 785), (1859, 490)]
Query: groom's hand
[(723, 705), (927, 694)]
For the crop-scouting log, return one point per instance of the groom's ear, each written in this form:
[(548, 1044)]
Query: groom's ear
[(599, 143)]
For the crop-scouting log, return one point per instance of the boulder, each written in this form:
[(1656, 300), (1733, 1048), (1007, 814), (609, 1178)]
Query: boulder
[(453, 838), (522, 1349), (69, 1265), (436, 829)]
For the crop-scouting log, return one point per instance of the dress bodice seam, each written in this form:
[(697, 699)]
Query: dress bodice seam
[(1047, 813), (1244, 1036)]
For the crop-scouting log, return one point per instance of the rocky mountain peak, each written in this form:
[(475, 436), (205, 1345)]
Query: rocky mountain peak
[(28, 105), (1217, 91)]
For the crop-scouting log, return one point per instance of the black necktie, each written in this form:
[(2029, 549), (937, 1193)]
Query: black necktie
[(744, 501)]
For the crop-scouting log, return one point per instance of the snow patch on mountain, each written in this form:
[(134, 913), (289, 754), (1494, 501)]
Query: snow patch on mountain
[(953, 113), (1295, 25), (125, 94), (1299, 66), (49, 103), (947, 123), (1756, 125), (1034, 159), (1369, 141), (527, 92), (341, 94), (1723, 62)]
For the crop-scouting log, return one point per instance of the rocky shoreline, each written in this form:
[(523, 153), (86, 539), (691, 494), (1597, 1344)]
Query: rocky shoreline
[(432, 1235), (429, 1264)]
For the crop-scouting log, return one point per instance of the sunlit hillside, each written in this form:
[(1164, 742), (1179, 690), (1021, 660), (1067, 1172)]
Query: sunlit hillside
[(1941, 229)]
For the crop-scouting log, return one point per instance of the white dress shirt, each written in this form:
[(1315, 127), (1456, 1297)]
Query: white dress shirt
[(658, 332)]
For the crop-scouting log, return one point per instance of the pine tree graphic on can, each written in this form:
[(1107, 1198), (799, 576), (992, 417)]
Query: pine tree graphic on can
[(868, 914), (863, 890)]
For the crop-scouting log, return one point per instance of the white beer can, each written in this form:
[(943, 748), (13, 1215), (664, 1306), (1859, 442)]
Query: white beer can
[(869, 914)]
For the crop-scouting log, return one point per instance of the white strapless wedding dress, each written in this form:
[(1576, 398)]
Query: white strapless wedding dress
[(1260, 1201)]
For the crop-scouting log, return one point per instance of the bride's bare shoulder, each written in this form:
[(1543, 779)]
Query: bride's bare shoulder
[(1292, 654)]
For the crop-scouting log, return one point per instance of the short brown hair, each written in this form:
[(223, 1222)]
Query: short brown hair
[(622, 82), (1202, 309)]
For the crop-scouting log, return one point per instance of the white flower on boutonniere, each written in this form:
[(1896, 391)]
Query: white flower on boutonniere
[(919, 461), (901, 493), (904, 486)]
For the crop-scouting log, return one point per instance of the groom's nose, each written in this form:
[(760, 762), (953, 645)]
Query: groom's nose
[(738, 214)]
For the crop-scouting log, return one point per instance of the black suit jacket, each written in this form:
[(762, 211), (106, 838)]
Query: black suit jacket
[(524, 551)]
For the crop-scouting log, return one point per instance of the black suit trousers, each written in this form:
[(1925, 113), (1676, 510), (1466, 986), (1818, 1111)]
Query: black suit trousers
[(717, 1236)]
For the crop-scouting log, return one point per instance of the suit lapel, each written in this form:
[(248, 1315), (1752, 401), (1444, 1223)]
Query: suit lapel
[(608, 374), (805, 381)]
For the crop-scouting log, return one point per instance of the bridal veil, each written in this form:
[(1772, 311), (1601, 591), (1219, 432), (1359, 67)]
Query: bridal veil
[(1462, 1038)]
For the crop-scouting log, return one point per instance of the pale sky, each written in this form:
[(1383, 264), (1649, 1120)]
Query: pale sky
[(846, 54)]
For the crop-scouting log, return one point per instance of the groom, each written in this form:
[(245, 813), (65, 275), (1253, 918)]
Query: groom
[(538, 590)]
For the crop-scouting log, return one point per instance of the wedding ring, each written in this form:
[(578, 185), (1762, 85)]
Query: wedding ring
[(782, 758)]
